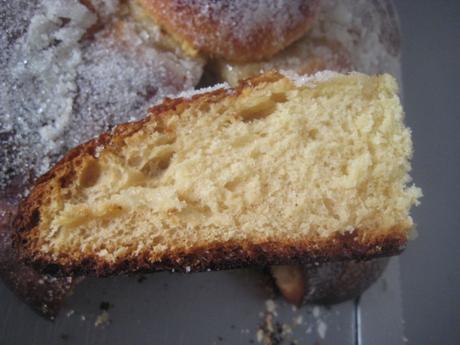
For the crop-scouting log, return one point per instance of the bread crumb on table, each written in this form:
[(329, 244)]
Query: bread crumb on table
[(103, 319)]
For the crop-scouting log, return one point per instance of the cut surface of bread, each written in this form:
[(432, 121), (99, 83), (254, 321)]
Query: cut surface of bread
[(277, 170)]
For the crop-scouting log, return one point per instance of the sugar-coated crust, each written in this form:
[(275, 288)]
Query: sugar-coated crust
[(354, 245), (219, 33)]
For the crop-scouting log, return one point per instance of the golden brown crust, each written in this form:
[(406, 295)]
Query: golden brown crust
[(235, 31)]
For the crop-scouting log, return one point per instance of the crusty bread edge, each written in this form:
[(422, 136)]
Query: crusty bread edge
[(356, 245), (353, 245), (61, 174)]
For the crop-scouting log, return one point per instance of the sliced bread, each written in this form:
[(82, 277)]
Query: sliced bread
[(280, 169)]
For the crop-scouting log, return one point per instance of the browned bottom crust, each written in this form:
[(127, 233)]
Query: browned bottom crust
[(43, 293), (349, 246)]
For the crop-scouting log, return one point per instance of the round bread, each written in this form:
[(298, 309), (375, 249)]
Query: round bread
[(235, 30), (345, 35)]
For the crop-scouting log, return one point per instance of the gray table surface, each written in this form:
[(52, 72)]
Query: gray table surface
[(430, 267), (417, 301)]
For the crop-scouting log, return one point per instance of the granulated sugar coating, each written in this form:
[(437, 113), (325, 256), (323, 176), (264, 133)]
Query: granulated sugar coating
[(63, 82), (237, 30), (346, 35), (367, 29), (231, 15)]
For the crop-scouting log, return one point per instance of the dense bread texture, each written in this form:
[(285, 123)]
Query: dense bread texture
[(278, 170), (242, 30)]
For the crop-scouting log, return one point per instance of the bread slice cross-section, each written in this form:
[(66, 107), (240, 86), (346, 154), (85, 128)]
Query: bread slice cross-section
[(280, 169)]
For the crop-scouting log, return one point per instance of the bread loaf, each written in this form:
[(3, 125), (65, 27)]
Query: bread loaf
[(278, 170)]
